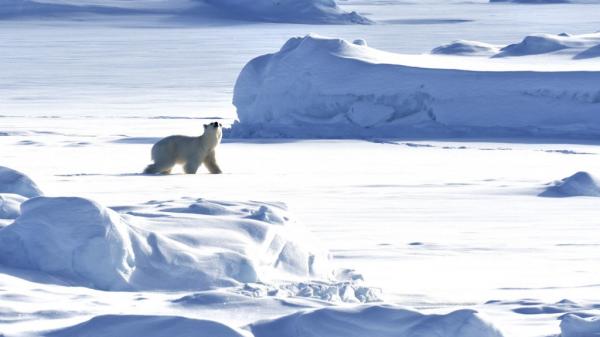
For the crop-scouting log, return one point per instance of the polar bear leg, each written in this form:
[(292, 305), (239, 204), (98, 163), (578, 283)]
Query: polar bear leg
[(191, 167), (211, 163)]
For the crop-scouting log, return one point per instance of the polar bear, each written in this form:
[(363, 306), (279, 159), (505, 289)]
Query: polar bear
[(189, 151)]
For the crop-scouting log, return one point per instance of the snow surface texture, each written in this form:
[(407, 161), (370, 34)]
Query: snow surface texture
[(380, 321), (579, 184), (293, 11), (317, 87), (146, 326), (574, 326), (15, 182), (87, 244)]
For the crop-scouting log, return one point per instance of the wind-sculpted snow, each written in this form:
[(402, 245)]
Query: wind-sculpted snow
[(579, 184), (317, 87), (358, 321), (291, 11), (10, 205), (380, 321), (464, 47), (146, 326), (73, 238), (295, 11), (87, 244), (15, 182), (577, 47), (574, 326)]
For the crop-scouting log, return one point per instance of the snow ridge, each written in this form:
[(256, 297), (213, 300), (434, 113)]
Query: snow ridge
[(318, 87)]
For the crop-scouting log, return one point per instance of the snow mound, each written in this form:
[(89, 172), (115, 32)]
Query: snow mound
[(10, 205), (70, 237), (293, 11), (380, 321), (579, 184), (465, 47), (577, 47), (549, 43), (15, 182), (89, 245), (317, 87), (574, 326), (146, 326), (537, 44), (589, 53)]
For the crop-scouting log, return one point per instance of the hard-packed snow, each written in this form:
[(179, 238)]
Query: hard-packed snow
[(15, 182), (318, 87), (87, 244), (579, 184), (380, 321)]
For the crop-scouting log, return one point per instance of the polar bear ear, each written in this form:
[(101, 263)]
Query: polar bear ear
[(205, 126)]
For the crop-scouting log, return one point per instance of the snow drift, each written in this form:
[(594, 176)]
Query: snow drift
[(549, 43), (15, 182), (291, 11), (577, 47), (374, 321), (579, 184), (294, 11), (380, 321), (146, 326), (465, 47), (87, 244), (317, 87), (574, 326), (70, 237)]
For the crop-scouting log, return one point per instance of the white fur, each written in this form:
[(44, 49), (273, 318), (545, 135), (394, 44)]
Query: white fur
[(191, 152)]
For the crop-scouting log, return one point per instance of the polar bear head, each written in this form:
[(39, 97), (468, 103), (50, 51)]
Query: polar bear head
[(213, 131)]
